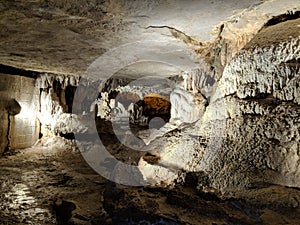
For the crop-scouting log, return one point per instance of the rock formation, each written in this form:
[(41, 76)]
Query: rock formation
[(201, 108)]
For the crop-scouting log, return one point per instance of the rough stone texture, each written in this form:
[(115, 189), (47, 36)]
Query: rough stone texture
[(252, 89), (66, 123), (249, 133), (260, 92), (23, 128), (46, 80), (240, 29), (243, 143), (186, 107), (65, 37), (53, 101), (58, 175), (32, 28), (268, 72), (200, 80)]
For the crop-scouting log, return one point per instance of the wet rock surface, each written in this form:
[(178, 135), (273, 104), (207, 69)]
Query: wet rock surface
[(54, 185), (35, 180)]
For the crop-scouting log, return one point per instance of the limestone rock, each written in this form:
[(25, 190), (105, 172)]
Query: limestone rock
[(249, 133), (156, 105), (258, 97), (68, 123), (185, 107)]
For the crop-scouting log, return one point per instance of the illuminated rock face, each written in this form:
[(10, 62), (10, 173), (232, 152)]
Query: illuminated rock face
[(249, 133), (56, 98), (260, 94), (45, 101), (156, 105), (18, 111), (186, 107)]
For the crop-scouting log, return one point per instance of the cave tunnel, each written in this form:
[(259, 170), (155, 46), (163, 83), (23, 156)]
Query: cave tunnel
[(149, 112), (128, 109), (158, 110), (151, 106)]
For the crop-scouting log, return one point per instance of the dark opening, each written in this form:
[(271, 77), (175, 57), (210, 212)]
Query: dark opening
[(69, 94), (16, 71), (282, 18)]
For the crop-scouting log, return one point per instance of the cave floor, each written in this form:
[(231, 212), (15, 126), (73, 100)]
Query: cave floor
[(54, 185)]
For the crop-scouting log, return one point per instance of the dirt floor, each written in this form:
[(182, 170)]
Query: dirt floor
[(50, 183), (40, 182)]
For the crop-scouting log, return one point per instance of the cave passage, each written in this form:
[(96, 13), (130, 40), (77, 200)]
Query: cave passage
[(119, 112)]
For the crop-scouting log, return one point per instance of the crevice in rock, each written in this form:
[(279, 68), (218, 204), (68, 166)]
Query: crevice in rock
[(17, 71), (8, 132), (69, 95), (291, 15), (69, 136), (293, 63), (179, 35), (151, 159)]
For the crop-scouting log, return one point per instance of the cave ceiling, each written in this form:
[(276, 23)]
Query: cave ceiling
[(65, 37)]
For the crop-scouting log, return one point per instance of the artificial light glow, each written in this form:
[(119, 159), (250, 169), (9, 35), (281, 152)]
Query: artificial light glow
[(45, 118), (26, 111)]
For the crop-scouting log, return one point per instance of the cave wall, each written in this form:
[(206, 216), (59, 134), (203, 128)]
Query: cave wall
[(56, 101), (248, 135), (3, 124), (46, 105), (260, 92), (21, 130)]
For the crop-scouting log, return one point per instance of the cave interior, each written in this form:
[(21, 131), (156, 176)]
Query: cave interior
[(150, 112)]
